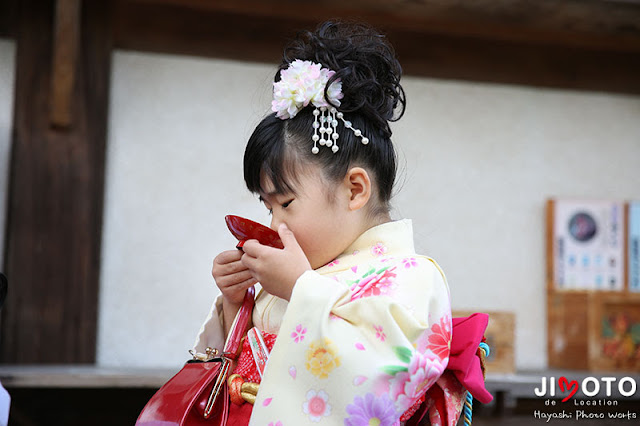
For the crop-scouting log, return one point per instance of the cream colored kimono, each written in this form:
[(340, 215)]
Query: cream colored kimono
[(361, 340)]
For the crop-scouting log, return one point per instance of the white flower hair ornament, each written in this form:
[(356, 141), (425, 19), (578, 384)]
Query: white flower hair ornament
[(302, 83)]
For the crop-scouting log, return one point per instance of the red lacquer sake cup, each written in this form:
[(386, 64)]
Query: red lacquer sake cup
[(244, 229)]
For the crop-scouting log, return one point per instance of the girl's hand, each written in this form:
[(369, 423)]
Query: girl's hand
[(232, 277), (277, 270)]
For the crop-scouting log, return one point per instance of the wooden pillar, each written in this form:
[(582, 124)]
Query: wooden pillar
[(54, 217)]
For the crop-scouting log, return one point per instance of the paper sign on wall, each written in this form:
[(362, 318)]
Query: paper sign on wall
[(589, 245)]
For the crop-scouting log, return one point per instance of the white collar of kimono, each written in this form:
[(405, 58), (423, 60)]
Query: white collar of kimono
[(389, 239)]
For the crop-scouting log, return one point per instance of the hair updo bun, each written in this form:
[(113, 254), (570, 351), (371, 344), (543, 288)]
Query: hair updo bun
[(369, 73), (363, 60)]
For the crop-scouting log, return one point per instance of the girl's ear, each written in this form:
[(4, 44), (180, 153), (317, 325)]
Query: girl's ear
[(359, 185)]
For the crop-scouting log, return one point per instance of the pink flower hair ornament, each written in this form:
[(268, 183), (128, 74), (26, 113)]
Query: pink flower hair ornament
[(304, 83)]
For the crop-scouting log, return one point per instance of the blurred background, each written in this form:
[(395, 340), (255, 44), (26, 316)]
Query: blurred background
[(123, 125)]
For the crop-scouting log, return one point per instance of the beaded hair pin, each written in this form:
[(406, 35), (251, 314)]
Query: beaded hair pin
[(304, 82)]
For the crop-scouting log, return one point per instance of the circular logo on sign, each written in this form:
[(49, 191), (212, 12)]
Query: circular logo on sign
[(582, 227)]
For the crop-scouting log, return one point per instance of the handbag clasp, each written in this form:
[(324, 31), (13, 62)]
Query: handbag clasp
[(210, 354), (215, 391)]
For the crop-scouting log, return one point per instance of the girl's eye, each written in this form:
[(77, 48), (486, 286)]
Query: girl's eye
[(285, 205)]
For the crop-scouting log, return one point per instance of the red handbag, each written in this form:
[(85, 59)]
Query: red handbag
[(198, 393)]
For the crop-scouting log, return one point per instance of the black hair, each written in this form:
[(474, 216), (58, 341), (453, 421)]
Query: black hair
[(366, 65)]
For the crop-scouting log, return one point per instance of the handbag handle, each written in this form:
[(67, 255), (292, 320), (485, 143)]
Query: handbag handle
[(239, 324)]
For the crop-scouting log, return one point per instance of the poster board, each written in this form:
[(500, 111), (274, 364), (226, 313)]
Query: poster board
[(588, 245), (593, 313), (633, 247)]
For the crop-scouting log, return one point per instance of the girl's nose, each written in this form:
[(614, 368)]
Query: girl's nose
[(275, 223)]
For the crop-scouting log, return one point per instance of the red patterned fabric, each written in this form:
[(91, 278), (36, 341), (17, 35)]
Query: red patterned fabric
[(246, 365), (412, 410)]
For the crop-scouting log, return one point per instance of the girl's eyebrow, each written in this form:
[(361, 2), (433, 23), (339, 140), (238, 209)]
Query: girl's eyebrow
[(266, 197), (269, 195)]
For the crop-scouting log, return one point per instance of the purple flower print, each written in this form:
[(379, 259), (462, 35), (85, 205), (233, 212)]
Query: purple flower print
[(298, 334), (371, 410), (409, 262)]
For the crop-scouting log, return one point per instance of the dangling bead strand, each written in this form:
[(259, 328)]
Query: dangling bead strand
[(325, 122), (355, 131), (315, 136), (333, 132), (324, 138)]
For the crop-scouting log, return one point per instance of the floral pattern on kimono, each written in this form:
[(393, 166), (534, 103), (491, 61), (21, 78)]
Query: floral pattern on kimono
[(361, 340)]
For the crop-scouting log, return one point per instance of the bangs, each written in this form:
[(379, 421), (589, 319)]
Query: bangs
[(268, 159)]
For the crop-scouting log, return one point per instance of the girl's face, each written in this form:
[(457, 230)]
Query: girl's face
[(318, 214)]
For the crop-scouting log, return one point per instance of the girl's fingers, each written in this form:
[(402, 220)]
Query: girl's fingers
[(232, 268), (247, 283), (287, 237), (254, 249), (220, 270), (234, 279), (227, 257), (249, 262)]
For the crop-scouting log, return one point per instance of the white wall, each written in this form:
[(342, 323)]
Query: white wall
[(7, 66), (177, 129), (479, 162)]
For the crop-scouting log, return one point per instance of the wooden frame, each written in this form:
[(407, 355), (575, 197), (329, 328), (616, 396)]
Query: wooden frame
[(54, 211), (576, 318), (500, 337), (614, 332)]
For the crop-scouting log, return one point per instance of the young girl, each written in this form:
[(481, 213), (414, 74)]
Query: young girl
[(363, 323)]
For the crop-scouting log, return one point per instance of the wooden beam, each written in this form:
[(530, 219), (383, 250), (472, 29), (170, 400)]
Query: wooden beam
[(603, 24), (7, 18), (54, 216), (243, 33), (65, 57)]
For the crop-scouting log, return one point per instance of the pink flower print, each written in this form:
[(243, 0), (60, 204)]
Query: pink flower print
[(440, 337), (333, 263), (278, 423), (374, 283), (409, 262), (422, 372), (316, 406), (298, 334), (379, 333), (355, 252), (378, 249), (371, 410), (358, 380)]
